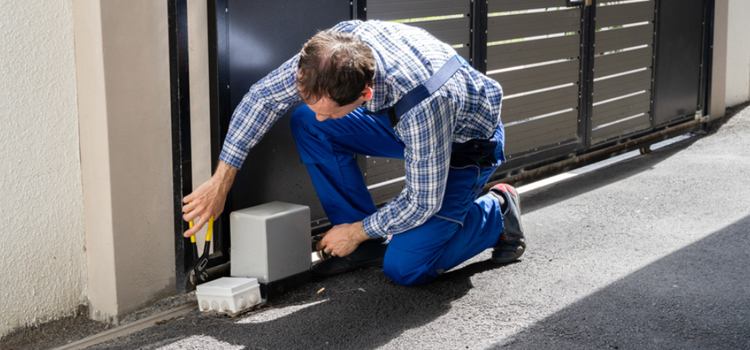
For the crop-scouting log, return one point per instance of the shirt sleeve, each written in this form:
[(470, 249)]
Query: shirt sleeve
[(426, 131), (265, 103)]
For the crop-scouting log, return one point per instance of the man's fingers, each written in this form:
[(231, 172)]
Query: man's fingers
[(190, 206), (190, 216), (197, 226)]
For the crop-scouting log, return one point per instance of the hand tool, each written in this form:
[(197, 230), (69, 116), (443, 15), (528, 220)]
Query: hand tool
[(199, 274)]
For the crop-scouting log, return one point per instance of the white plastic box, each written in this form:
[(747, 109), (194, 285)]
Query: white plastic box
[(270, 241), (228, 294)]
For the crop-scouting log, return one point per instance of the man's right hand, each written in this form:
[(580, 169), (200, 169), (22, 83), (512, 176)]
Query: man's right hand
[(208, 199)]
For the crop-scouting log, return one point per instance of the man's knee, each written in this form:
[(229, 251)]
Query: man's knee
[(405, 274)]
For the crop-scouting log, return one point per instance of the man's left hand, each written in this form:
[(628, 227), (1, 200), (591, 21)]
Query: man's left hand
[(343, 239)]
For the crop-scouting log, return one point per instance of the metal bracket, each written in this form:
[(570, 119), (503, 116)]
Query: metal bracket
[(700, 117)]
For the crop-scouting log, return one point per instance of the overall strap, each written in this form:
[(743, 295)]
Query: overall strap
[(423, 91)]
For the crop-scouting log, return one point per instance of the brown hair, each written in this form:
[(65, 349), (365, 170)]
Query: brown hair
[(335, 65)]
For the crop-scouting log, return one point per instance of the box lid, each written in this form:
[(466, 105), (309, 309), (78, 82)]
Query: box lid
[(226, 286)]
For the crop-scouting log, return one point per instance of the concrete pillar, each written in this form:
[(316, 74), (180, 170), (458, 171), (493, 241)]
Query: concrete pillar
[(122, 61), (719, 68)]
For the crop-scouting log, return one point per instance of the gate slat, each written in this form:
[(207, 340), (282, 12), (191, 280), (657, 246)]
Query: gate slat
[(519, 5), (451, 31), (533, 24), (524, 107), (620, 109), (609, 40), (622, 85), (536, 78), (387, 10), (636, 124), (622, 62), (614, 15), (532, 51), (540, 133)]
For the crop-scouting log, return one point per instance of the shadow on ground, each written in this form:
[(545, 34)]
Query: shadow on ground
[(337, 318), (699, 298)]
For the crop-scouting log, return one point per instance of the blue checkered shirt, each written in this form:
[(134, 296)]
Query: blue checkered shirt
[(465, 108)]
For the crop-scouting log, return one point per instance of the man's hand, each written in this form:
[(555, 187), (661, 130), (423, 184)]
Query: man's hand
[(343, 239), (208, 199)]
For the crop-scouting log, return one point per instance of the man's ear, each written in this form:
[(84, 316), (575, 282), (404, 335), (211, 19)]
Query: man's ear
[(367, 93)]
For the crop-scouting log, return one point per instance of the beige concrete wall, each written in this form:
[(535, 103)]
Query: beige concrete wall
[(719, 66), (738, 53), (41, 230), (122, 53)]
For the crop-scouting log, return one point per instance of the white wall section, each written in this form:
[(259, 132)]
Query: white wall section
[(738, 53), (42, 226)]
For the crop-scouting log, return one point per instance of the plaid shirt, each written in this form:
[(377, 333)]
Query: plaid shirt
[(465, 108)]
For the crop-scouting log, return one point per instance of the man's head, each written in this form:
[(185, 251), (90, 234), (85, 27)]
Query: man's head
[(335, 75)]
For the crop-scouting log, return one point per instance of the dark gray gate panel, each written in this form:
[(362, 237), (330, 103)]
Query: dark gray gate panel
[(617, 15), (532, 51), (517, 5), (536, 78), (387, 10), (621, 115), (622, 62), (621, 109), (535, 134), (625, 127), (678, 58), (529, 106), (615, 39), (452, 31), (533, 24), (259, 42), (383, 169), (622, 85)]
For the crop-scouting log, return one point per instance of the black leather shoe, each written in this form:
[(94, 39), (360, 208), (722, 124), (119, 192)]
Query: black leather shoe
[(370, 253), (512, 242)]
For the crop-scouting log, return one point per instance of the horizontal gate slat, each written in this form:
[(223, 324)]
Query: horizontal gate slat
[(609, 40), (533, 105), (533, 24), (537, 78), (622, 85), (532, 51), (395, 165), (621, 109), (519, 5), (636, 124), (622, 62), (540, 133), (450, 31), (615, 15), (387, 10), (383, 194)]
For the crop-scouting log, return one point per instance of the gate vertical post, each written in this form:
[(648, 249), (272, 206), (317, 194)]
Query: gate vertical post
[(181, 153), (586, 77), (478, 40)]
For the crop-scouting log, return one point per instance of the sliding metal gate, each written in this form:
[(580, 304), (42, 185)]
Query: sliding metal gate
[(577, 76)]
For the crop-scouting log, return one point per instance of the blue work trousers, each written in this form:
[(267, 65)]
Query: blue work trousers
[(464, 227)]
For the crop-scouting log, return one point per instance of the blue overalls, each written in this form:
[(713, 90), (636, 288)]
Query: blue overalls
[(463, 227)]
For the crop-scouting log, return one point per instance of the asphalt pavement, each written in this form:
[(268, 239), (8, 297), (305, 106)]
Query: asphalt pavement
[(649, 253)]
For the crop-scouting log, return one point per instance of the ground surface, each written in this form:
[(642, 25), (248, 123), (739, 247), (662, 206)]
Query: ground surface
[(649, 253)]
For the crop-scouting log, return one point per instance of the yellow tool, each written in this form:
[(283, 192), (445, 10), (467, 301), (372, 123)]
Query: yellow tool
[(199, 274)]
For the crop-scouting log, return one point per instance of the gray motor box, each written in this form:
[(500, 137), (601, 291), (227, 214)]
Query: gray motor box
[(271, 242)]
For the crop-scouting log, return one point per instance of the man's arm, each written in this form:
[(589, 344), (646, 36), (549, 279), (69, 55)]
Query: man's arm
[(427, 134), (265, 103)]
